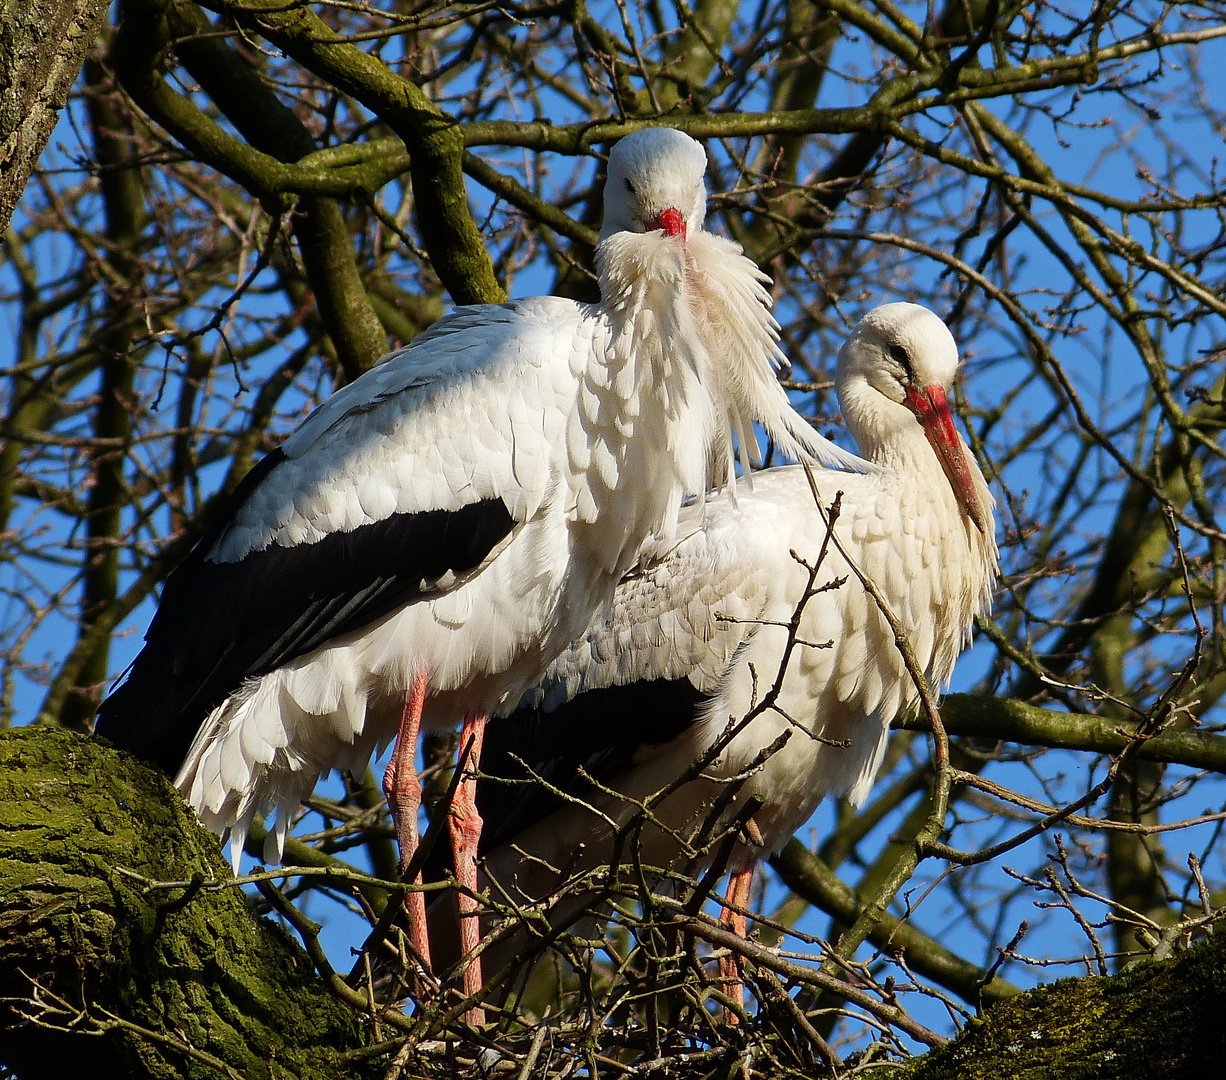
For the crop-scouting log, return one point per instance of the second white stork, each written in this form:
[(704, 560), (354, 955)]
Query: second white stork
[(435, 533), (699, 631)]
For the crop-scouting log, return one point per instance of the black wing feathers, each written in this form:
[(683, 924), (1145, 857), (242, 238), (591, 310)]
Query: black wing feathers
[(221, 623)]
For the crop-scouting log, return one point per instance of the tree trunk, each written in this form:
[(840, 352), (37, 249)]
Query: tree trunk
[(168, 984), (42, 47)]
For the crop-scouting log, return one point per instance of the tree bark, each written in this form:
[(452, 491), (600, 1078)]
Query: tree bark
[(42, 47), (101, 976), (1159, 1019)]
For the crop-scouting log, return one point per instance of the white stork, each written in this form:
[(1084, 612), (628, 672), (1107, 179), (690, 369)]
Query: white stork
[(438, 531), (698, 633)]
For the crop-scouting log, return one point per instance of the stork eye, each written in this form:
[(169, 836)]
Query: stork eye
[(901, 357), (630, 186)]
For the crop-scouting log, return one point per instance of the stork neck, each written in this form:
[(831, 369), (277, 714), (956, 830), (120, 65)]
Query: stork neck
[(886, 431), (889, 435), (641, 427), (702, 309), (657, 371)]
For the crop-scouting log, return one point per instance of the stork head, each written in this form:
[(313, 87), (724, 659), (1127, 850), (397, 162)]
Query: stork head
[(655, 183), (905, 354)]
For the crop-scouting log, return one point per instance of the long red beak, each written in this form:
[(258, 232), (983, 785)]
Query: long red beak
[(932, 411), (669, 221)]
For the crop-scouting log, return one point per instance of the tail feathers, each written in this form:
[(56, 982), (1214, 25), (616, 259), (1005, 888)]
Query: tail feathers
[(274, 840)]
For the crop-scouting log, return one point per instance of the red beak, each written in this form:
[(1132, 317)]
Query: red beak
[(669, 221), (932, 411)]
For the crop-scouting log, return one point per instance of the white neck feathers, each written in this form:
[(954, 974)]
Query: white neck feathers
[(704, 303)]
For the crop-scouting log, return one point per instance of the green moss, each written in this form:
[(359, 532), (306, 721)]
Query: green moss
[(73, 816), (1155, 1020)]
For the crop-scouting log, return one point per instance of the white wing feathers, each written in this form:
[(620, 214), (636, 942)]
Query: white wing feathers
[(461, 414), (680, 615), (846, 681)]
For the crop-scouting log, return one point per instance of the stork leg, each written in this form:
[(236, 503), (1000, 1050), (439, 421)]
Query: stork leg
[(465, 829), (403, 791), (737, 893)]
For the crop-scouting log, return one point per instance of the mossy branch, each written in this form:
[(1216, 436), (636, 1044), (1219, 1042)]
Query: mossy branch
[(43, 44), (319, 226), (434, 140), (812, 880), (1155, 1020), (100, 975), (1014, 721)]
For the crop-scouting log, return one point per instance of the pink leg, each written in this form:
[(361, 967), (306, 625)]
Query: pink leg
[(465, 829), (737, 894), (403, 791)]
